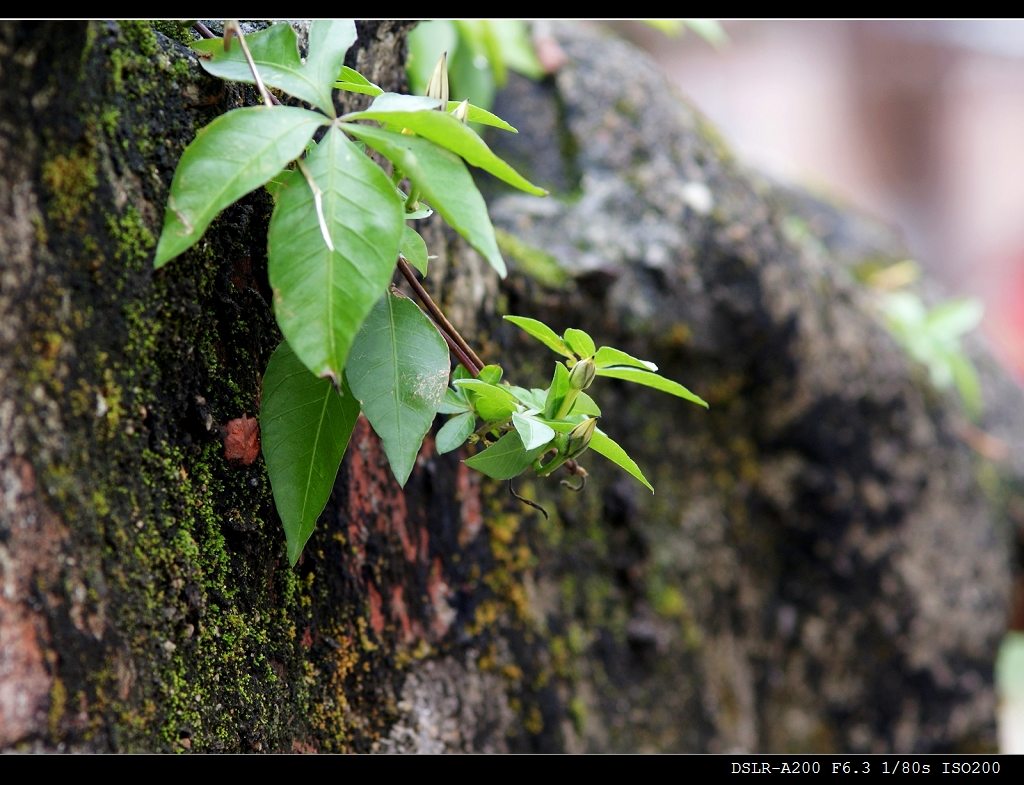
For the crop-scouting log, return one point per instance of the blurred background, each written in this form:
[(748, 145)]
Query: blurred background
[(918, 122)]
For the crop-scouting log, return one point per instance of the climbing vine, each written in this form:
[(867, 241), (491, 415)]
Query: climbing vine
[(340, 227)]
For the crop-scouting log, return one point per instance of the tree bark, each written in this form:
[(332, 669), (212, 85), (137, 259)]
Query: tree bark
[(820, 570)]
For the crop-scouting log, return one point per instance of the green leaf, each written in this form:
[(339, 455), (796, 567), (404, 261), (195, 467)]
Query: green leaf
[(967, 384), (533, 432), (532, 399), (950, 320), (470, 75), (580, 342), (710, 30), (398, 369), (354, 82), (542, 333), (322, 296), (505, 459), (275, 52), (423, 210), (478, 115), (398, 103), (585, 405), (1010, 669), (329, 41), (490, 373), (602, 444), (607, 356), (476, 39), (236, 153), (414, 249), (305, 426), (454, 403), (516, 48), (454, 433), (491, 402), (557, 391), (448, 132), (425, 44), (444, 182), (649, 379)]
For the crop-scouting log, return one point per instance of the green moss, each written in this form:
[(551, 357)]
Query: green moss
[(134, 57), (58, 707), (578, 713), (532, 261), (176, 30), (109, 119), (70, 181)]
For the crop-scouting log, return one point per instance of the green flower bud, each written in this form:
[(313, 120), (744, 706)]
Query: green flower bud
[(582, 374), (437, 87), (579, 437)]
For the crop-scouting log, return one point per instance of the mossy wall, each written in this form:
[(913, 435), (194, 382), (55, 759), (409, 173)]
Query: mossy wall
[(145, 598), (162, 614)]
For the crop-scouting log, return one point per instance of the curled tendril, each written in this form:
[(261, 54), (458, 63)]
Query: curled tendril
[(524, 500)]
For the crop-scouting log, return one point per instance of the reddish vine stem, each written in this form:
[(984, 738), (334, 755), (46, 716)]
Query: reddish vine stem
[(457, 350), (203, 30), (438, 316)]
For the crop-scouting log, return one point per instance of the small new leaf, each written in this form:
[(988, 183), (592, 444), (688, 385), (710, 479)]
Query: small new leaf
[(602, 444), (490, 373), (585, 405), (483, 117), (505, 459), (453, 434), (533, 432), (653, 380), (491, 402), (580, 342), (414, 249), (543, 333), (352, 81), (608, 356), (557, 391)]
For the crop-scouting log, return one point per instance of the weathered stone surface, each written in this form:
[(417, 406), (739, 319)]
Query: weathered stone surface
[(819, 570)]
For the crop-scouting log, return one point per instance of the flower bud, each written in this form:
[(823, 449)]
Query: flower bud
[(579, 437), (582, 374), (461, 112), (437, 87)]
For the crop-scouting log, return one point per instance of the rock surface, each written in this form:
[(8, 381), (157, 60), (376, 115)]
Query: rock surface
[(823, 568)]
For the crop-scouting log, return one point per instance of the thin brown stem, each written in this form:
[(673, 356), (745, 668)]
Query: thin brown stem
[(457, 350), (203, 30), (438, 316)]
